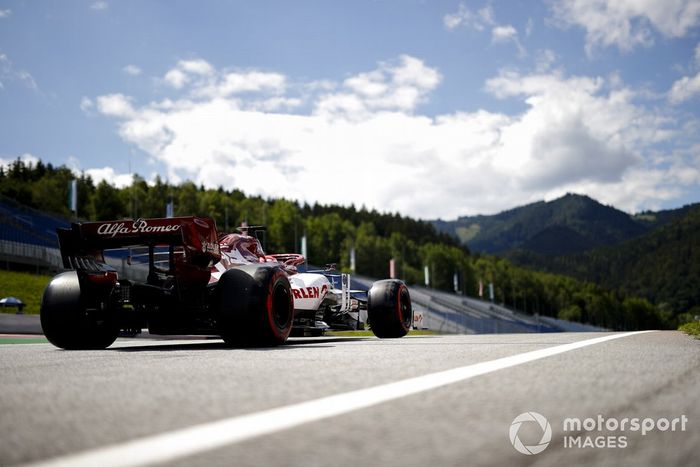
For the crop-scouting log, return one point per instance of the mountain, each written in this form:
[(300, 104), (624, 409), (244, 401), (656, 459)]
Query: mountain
[(662, 265), (567, 225), (655, 255)]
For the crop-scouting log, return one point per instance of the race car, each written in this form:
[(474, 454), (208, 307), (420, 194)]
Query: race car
[(179, 276)]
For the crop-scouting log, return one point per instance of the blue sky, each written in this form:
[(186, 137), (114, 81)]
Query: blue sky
[(429, 108)]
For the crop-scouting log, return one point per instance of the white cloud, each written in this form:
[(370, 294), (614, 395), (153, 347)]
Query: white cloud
[(684, 89), (483, 19), (27, 79), (505, 34), (132, 70), (115, 105), (572, 132), (86, 104), (8, 73), (28, 159), (363, 141), (74, 165), (544, 60), (627, 24), (186, 71), (99, 5), (236, 83), (5, 13), (176, 78), (204, 81), (396, 86), (275, 104), (196, 67), (477, 20), (368, 84), (109, 175), (103, 174)]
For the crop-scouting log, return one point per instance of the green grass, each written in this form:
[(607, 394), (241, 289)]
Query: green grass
[(413, 332), (27, 287), (23, 340), (692, 328)]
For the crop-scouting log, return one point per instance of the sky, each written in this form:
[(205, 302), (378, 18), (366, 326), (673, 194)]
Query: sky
[(433, 109)]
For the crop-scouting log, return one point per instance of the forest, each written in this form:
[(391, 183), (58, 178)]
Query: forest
[(662, 266), (332, 231)]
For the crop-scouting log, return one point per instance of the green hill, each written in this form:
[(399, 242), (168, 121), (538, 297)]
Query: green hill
[(662, 265), (654, 255), (570, 224)]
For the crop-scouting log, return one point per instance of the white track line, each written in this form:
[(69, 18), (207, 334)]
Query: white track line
[(177, 444)]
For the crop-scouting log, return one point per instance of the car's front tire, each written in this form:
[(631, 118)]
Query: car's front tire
[(389, 308), (67, 322)]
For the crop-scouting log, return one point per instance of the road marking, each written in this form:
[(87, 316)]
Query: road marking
[(174, 445)]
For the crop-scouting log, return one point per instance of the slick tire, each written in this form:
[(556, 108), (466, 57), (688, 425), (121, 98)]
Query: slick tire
[(254, 306), (66, 321), (389, 309)]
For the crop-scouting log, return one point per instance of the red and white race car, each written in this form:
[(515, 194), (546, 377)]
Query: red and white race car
[(178, 276)]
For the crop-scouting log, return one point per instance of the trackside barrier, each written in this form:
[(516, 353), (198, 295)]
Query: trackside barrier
[(31, 254), (458, 314)]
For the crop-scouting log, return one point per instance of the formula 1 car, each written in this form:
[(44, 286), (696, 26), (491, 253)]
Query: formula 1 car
[(178, 276)]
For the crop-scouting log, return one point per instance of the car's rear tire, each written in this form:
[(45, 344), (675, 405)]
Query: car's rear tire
[(66, 321), (254, 306), (389, 308)]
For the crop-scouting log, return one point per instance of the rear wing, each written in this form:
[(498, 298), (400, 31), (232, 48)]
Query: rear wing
[(82, 245)]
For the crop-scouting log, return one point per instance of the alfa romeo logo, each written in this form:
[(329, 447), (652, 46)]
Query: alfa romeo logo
[(546, 433)]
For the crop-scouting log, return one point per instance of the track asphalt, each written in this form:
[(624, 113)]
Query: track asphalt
[(57, 403)]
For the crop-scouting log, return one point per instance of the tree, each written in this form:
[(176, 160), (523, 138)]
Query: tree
[(283, 226), (212, 203), (50, 193), (187, 203), (106, 203), (371, 251), (156, 198), (325, 235), (570, 313)]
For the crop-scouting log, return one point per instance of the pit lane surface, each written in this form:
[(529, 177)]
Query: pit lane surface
[(57, 403)]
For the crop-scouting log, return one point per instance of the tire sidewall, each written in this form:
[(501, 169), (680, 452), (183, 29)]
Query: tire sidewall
[(279, 321)]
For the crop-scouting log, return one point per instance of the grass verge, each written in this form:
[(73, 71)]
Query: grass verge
[(23, 340), (27, 287), (692, 328)]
